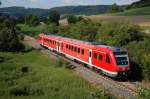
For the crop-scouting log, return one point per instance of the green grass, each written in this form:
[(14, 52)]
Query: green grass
[(32, 75), (133, 12), (31, 30)]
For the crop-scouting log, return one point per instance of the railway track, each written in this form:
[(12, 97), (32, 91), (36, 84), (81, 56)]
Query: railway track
[(121, 89)]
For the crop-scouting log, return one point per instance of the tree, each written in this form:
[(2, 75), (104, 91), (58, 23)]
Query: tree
[(115, 8), (32, 20), (71, 19), (21, 19), (54, 17), (74, 19), (8, 37)]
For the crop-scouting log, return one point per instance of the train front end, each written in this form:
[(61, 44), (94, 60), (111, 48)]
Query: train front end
[(122, 62)]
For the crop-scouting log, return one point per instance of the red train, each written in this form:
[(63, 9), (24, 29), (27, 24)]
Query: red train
[(112, 61)]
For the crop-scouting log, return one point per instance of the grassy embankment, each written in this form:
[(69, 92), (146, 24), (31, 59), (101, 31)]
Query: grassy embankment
[(134, 12), (32, 75)]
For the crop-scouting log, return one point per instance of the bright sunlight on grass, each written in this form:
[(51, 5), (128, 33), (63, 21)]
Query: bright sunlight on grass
[(32, 75)]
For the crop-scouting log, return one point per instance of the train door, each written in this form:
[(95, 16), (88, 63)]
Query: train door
[(90, 57), (58, 47)]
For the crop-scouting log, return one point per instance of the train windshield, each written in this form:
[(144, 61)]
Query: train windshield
[(121, 61), (121, 58)]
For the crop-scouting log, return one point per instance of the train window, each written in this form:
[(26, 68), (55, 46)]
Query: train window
[(69, 46), (78, 50), (95, 55), (82, 51), (72, 48), (75, 49), (100, 57), (107, 58)]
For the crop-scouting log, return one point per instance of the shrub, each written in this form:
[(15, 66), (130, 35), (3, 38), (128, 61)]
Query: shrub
[(20, 91), (84, 30), (25, 69), (51, 28), (146, 66), (25, 91), (72, 19), (8, 38), (143, 93), (32, 20), (119, 33)]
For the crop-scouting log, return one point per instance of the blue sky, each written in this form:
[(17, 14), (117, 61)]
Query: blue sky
[(55, 3)]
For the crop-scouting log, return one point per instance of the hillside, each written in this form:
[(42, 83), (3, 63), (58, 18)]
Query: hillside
[(136, 11), (33, 75), (87, 10), (21, 11)]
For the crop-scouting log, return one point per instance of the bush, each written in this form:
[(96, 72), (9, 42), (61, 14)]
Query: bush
[(8, 37), (32, 20), (102, 94), (143, 93), (25, 69), (74, 19), (140, 58), (84, 30), (119, 34), (146, 66), (51, 28), (22, 91), (25, 91)]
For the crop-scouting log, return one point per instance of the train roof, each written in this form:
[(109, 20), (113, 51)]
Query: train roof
[(94, 45)]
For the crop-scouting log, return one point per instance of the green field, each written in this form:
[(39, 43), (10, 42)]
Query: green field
[(136, 11), (32, 75)]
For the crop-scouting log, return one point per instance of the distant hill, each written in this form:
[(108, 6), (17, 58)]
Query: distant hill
[(140, 3), (136, 11), (86, 10), (21, 11), (76, 10)]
